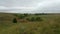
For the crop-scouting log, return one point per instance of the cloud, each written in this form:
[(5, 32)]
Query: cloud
[(16, 9), (52, 6), (30, 6)]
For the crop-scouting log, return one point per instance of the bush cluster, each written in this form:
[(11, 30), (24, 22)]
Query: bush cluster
[(21, 16), (34, 19)]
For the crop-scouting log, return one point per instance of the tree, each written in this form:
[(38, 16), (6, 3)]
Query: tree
[(14, 20)]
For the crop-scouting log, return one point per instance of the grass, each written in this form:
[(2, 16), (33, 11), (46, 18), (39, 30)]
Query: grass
[(49, 25)]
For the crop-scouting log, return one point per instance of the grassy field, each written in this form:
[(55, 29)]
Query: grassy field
[(50, 24)]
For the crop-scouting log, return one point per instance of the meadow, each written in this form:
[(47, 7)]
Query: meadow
[(29, 23)]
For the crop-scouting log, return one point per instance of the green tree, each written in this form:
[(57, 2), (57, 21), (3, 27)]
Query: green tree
[(14, 20)]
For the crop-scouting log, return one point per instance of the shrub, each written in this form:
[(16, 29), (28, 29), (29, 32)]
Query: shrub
[(34, 19), (25, 14), (31, 19), (38, 19), (14, 20), (21, 16)]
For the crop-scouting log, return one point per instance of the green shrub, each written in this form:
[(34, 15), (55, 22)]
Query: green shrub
[(25, 14), (21, 17), (31, 19), (38, 19), (14, 20), (34, 19)]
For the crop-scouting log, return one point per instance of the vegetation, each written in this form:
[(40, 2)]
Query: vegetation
[(31, 19), (21, 16), (46, 24), (39, 19), (26, 14), (14, 20), (34, 19)]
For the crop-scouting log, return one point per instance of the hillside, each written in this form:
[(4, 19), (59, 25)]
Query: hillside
[(50, 24)]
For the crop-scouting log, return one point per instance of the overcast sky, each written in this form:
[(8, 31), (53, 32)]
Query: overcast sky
[(30, 6)]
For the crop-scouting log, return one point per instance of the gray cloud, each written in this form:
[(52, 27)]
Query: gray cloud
[(30, 6), (19, 2)]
